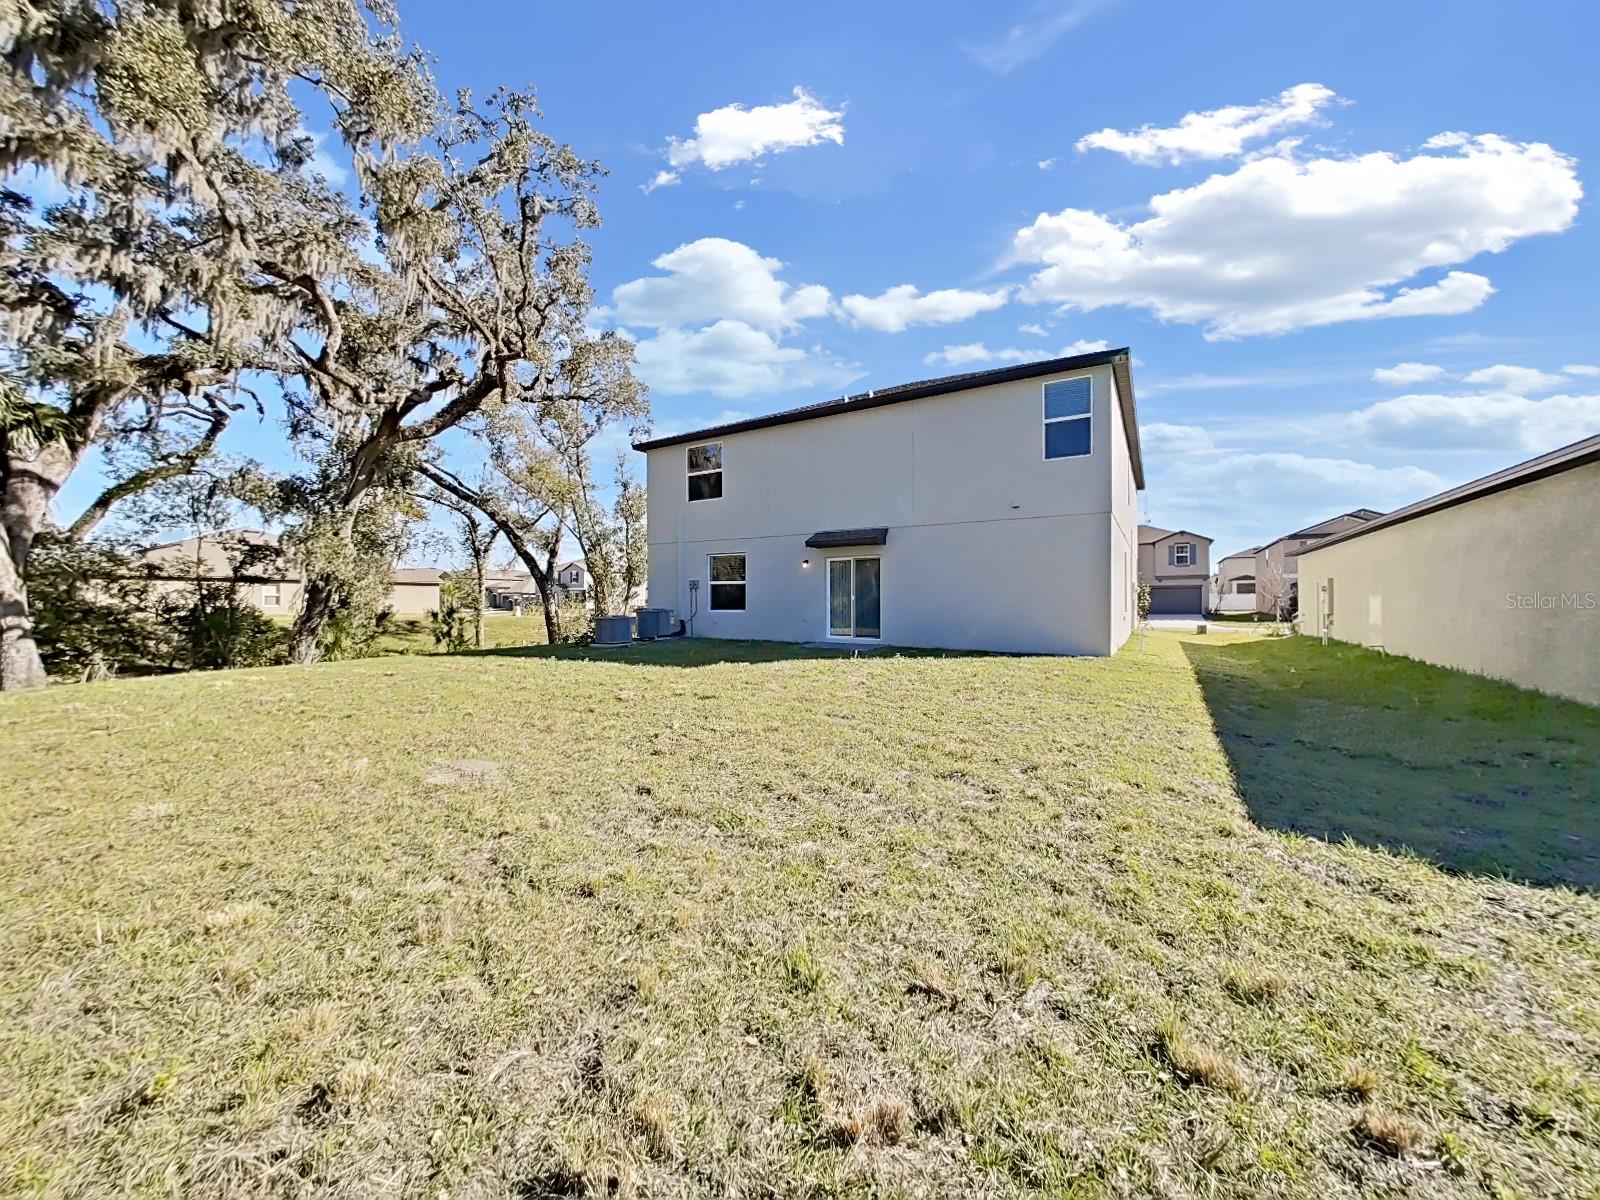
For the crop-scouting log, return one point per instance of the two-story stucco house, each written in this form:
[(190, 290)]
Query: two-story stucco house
[(1176, 563), (995, 510), (1265, 578)]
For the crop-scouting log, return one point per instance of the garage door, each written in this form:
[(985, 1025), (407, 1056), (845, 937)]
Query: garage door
[(1174, 600)]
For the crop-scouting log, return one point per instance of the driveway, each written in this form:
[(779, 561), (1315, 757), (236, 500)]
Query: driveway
[(1179, 621)]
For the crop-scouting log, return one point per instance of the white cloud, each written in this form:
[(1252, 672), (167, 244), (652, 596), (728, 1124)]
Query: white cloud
[(1407, 373), (1046, 164), (716, 278), (1158, 438), (1492, 421), (1282, 243), (734, 359), (324, 164), (1219, 133), (1033, 330), (1580, 369), (972, 353), (1514, 379), (660, 179), (733, 134), (1045, 23), (902, 306), (1293, 485)]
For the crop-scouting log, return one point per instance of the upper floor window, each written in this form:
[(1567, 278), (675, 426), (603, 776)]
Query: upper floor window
[(271, 595), (1183, 554), (1066, 418), (705, 471)]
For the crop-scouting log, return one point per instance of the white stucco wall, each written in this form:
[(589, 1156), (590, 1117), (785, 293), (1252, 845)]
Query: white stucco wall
[(1124, 529), (990, 546), (1507, 585)]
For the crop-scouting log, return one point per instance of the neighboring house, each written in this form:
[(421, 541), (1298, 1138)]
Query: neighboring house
[(989, 511), (572, 580), (1177, 565), (509, 589), (1497, 576), (1264, 578), (266, 576), (512, 588)]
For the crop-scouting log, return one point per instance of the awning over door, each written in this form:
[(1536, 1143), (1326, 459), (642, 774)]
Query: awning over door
[(826, 539)]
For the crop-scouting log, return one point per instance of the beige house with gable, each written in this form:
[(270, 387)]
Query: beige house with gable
[(995, 510), (1265, 577), (1176, 563), (266, 577)]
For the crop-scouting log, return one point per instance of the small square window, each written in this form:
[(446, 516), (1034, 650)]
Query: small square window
[(727, 582), (704, 464)]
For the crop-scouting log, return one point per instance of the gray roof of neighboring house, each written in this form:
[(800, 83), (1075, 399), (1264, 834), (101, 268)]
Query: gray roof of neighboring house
[(1149, 534), (214, 556), (1361, 514), (1567, 458), (416, 575), (262, 557), (1118, 360), (1251, 552), (1364, 514)]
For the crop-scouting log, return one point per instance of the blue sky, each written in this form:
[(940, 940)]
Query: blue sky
[(822, 169)]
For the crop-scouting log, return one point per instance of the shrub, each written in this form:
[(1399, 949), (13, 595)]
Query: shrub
[(574, 622), (94, 610)]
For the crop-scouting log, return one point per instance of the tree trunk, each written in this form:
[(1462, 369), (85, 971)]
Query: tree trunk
[(322, 597), (480, 555), (317, 607), (20, 665), (30, 485)]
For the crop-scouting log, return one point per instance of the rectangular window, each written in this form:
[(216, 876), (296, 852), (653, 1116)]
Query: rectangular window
[(1067, 405), (727, 582), (1245, 587), (1182, 554), (705, 472), (271, 595)]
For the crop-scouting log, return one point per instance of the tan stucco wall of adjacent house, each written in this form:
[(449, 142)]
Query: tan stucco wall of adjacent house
[(1507, 585), (413, 599)]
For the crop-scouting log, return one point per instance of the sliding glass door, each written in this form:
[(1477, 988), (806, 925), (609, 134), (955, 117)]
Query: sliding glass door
[(855, 598)]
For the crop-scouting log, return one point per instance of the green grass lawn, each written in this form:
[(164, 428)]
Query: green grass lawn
[(411, 635), (748, 920)]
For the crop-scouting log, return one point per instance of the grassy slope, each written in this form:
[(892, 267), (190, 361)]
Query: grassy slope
[(491, 924), (410, 635)]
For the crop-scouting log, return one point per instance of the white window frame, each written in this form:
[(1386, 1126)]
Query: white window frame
[(827, 599), (1183, 554), (277, 595), (1044, 438), (688, 474), (1243, 581), (713, 582)]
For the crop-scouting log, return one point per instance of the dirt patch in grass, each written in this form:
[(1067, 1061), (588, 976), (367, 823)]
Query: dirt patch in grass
[(746, 920)]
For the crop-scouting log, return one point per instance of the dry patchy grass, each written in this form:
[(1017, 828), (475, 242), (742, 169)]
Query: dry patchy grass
[(742, 921)]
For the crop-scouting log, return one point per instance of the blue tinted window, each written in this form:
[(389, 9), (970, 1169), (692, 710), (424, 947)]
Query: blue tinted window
[(1066, 398), (1066, 439)]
